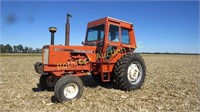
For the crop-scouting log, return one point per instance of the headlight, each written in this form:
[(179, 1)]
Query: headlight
[(46, 56)]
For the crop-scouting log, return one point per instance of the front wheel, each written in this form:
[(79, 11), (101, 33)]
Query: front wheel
[(68, 87), (129, 72), (47, 82)]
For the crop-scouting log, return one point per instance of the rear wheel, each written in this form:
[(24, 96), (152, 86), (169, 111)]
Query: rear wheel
[(129, 72), (47, 82), (68, 87)]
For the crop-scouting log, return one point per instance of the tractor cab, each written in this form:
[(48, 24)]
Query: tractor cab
[(110, 34)]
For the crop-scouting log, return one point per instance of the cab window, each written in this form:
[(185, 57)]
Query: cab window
[(125, 36), (113, 33), (95, 33)]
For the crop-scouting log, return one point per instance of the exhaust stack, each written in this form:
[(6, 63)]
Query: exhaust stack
[(52, 30), (67, 32)]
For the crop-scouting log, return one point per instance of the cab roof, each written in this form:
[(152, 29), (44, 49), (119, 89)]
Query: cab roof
[(110, 19)]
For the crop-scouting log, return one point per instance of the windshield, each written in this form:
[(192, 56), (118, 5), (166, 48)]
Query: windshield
[(95, 33)]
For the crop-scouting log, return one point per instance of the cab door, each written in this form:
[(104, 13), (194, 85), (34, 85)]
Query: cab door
[(112, 42)]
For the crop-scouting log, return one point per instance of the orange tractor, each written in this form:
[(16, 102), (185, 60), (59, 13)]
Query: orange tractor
[(107, 55)]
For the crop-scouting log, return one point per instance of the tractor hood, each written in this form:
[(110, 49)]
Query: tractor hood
[(81, 49), (54, 54)]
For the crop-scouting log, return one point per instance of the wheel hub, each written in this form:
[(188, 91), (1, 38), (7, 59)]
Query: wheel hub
[(71, 90), (133, 73)]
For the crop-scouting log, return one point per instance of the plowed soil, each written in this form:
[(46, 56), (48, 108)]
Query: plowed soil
[(172, 84)]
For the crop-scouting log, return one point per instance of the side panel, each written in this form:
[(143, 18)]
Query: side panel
[(61, 54), (68, 59)]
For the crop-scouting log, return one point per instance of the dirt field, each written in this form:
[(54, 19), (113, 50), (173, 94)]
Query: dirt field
[(172, 84)]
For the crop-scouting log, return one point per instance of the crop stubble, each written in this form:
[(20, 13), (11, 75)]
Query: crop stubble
[(172, 84)]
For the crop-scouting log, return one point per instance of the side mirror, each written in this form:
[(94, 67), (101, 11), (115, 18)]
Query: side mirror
[(83, 43)]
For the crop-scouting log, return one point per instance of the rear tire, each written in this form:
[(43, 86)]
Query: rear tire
[(129, 72), (68, 88)]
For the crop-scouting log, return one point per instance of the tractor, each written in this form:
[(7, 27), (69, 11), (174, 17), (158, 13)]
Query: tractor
[(106, 54)]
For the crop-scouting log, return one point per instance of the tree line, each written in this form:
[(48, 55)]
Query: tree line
[(18, 49), (171, 53)]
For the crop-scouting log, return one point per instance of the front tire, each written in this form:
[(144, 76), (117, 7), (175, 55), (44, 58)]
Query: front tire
[(129, 72), (47, 82), (68, 88)]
